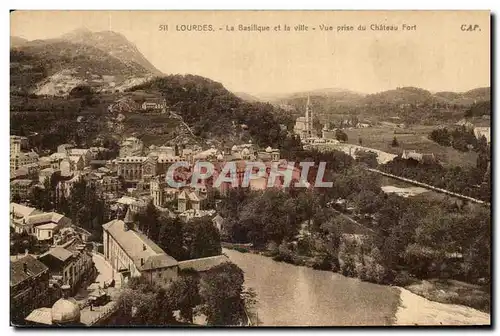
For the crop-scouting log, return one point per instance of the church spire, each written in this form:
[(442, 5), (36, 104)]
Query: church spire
[(309, 118)]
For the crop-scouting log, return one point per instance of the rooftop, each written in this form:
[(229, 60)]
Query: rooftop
[(137, 246), (33, 268), (23, 182), (203, 264), (20, 210), (59, 253)]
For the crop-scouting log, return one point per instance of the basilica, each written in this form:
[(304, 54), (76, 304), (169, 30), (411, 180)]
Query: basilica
[(304, 125)]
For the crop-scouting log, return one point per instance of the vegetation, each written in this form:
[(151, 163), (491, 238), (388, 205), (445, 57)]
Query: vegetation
[(460, 138), (212, 111), (217, 293), (341, 135), (198, 238), (391, 236), (395, 142), (471, 182)]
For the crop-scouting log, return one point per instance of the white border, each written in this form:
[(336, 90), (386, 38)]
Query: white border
[(200, 4)]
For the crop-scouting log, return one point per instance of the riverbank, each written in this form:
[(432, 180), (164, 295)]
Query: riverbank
[(469, 297), (289, 295), (417, 310)]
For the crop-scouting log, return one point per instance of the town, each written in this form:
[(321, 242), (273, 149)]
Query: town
[(62, 260), (146, 197)]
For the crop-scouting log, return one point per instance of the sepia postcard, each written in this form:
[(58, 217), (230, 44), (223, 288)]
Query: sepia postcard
[(250, 168)]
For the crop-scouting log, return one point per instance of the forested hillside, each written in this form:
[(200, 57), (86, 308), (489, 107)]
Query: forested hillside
[(213, 112)]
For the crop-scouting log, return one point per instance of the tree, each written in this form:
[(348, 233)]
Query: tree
[(186, 291), (340, 135), (201, 238), (170, 237), (16, 198), (221, 290), (395, 142), (145, 304), (367, 157), (148, 221)]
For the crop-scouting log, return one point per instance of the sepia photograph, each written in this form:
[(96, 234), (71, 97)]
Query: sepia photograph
[(255, 168)]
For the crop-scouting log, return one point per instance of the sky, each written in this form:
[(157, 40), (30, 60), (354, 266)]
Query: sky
[(437, 55)]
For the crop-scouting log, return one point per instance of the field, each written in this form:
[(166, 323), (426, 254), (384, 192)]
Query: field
[(411, 138)]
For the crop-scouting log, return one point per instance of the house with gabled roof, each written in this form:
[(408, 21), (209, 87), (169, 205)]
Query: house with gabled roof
[(29, 287), (133, 254), (42, 225)]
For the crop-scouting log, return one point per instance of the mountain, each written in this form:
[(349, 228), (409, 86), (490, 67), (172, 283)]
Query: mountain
[(112, 43), (16, 41), (246, 96), (404, 95), (478, 94), (106, 61), (411, 104), (337, 94)]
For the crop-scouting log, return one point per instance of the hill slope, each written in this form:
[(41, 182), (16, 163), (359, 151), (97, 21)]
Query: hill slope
[(106, 61), (411, 104), (16, 41), (112, 43), (213, 112)]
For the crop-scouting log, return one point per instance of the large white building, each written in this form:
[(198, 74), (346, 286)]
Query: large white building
[(133, 254), (131, 147)]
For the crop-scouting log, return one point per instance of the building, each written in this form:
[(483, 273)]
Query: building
[(29, 287), (71, 164), (157, 190), (131, 167), (109, 184), (22, 188), (188, 215), (270, 154), (218, 221), (203, 264), (63, 149), (72, 263), (65, 312), (131, 147), (464, 123), (137, 168), (56, 158), (20, 159), (188, 200), (132, 203), (47, 173), (304, 125), (154, 104), (425, 158), (133, 254), (19, 211), (42, 225), (17, 144), (483, 131), (64, 188), (86, 154)]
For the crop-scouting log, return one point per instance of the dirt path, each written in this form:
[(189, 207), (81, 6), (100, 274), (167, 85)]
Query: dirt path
[(416, 310)]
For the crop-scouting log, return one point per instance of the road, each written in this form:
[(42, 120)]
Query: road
[(106, 272)]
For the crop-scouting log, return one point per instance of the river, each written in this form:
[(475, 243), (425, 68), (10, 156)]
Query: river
[(290, 295)]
